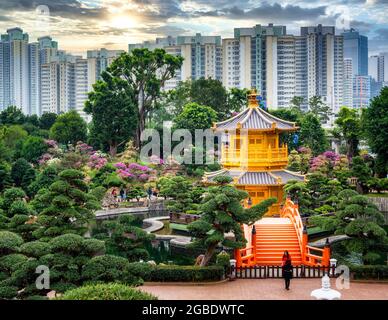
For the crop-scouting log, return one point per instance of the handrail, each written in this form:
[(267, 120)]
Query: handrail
[(291, 211)]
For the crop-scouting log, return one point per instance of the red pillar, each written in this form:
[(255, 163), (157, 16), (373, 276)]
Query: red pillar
[(305, 241), (326, 254), (237, 256), (254, 244)]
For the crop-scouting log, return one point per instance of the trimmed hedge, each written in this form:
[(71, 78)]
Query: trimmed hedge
[(185, 273), (110, 291), (378, 272)]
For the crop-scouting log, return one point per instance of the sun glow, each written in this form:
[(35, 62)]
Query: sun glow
[(123, 22)]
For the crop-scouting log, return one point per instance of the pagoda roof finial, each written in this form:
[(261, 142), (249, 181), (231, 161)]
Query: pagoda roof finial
[(253, 101)]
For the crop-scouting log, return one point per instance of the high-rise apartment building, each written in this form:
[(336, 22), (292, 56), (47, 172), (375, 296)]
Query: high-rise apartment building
[(361, 91), (324, 63), (14, 65), (356, 48), (97, 62), (348, 83), (202, 56)]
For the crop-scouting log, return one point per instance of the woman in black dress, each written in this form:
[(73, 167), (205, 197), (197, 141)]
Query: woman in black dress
[(287, 273)]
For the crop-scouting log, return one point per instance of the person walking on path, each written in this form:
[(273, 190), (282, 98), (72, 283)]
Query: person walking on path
[(122, 194), (149, 192), (287, 273)]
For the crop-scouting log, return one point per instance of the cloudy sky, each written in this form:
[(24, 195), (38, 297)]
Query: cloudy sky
[(80, 25)]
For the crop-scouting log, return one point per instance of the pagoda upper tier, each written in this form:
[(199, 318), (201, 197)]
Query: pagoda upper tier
[(255, 118)]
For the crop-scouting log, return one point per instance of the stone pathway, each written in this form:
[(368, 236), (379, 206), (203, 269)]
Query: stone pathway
[(263, 289)]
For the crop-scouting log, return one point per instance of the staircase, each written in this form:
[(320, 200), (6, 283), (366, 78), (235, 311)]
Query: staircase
[(273, 237)]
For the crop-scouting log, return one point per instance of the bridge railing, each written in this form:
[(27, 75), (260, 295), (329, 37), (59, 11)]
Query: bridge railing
[(311, 256)]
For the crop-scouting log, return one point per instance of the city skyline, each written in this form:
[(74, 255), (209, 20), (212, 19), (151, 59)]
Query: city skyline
[(80, 25)]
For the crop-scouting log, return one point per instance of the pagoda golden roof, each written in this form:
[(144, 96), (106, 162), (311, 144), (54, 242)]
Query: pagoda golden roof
[(255, 118)]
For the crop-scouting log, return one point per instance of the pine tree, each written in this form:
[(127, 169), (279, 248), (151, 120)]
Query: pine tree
[(222, 213), (65, 207)]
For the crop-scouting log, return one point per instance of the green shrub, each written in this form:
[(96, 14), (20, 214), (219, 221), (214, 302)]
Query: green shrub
[(185, 273), (8, 292), (141, 269), (71, 243), (223, 260), (9, 242), (109, 268), (98, 192), (110, 291), (35, 249), (93, 246), (11, 262), (369, 272)]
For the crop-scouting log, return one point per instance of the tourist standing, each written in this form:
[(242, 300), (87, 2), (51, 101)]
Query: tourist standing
[(287, 273), (286, 256), (122, 194)]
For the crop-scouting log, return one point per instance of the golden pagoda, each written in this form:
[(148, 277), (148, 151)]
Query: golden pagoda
[(252, 154)]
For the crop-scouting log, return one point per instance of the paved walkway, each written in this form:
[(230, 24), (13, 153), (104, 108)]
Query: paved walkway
[(263, 289)]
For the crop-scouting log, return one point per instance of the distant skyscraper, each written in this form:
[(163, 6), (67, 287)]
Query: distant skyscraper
[(348, 83), (361, 91), (34, 70), (98, 61), (15, 70), (324, 63), (202, 56), (356, 48)]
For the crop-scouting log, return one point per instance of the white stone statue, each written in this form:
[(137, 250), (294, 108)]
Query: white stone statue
[(326, 293)]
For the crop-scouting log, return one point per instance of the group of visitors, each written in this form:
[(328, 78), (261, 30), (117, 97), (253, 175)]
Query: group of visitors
[(120, 194)]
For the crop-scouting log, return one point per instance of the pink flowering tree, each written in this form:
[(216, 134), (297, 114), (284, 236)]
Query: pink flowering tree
[(53, 152), (133, 172)]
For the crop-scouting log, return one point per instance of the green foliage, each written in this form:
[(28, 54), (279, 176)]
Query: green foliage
[(12, 115), (312, 134), (98, 192), (195, 116), (362, 172), (12, 136), (69, 128), (319, 109), (185, 273), (9, 242), (109, 291), (136, 192), (47, 120), (108, 268), (124, 238), (357, 218), (348, 123), (182, 195), (35, 249), (65, 207), (376, 272), (145, 72), (374, 121), (223, 260), (22, 173), (43, 180), (5, 177), (222, 213), (114, 112), (33, 148)]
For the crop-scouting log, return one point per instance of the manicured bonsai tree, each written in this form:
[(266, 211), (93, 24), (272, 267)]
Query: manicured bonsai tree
[(222, 213), (359, 219), (65, 207)]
